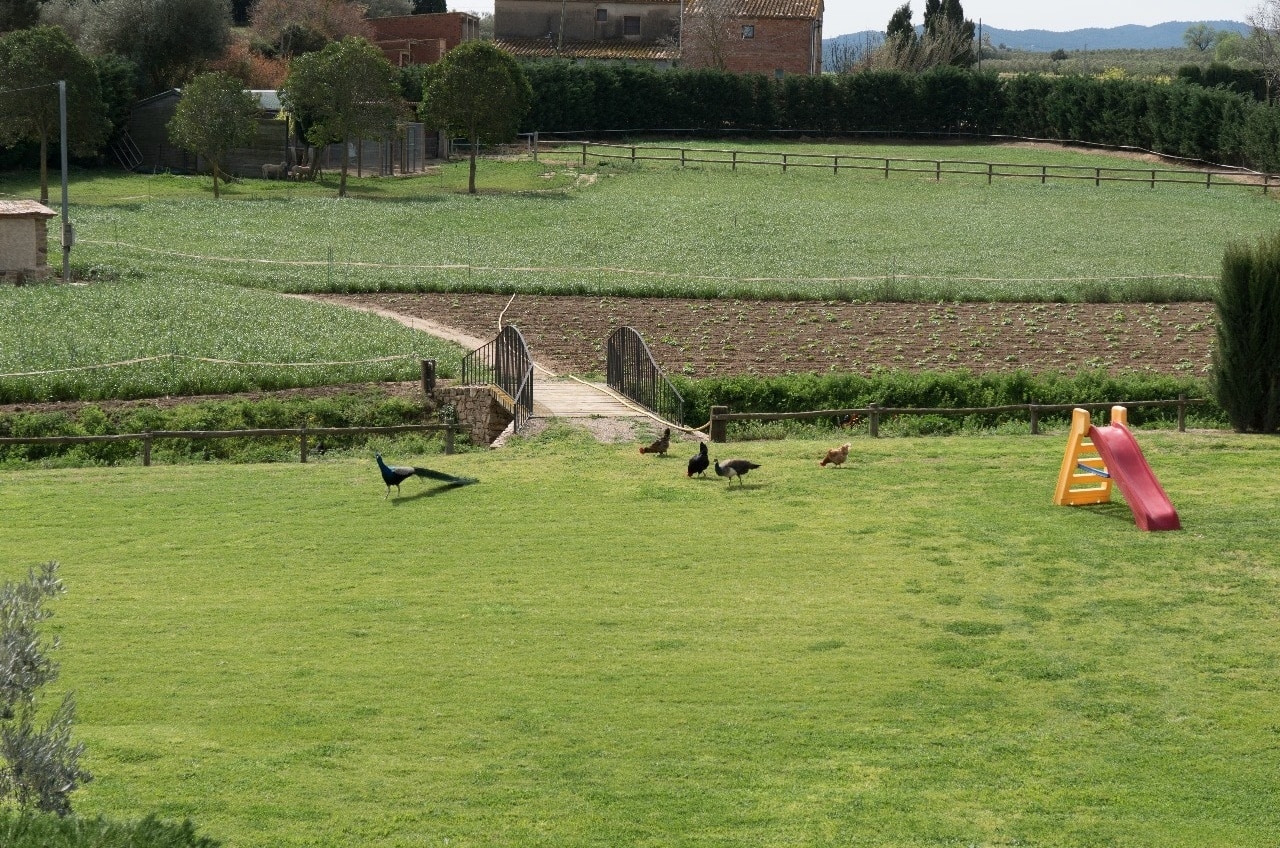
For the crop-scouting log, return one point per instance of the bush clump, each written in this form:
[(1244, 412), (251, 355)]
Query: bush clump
[(1246, 361)]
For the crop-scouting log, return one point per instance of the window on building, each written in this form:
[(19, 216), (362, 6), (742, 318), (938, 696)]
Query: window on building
[(748, 31), (602, 16), (631, 25)]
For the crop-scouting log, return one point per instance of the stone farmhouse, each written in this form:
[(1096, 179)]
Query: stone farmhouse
[(774, 37)]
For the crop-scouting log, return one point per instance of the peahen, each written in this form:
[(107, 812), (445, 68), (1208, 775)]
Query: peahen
[(394, 475)]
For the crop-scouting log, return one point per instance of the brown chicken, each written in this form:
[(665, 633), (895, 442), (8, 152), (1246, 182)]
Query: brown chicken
[(836, 456), (661, 446)]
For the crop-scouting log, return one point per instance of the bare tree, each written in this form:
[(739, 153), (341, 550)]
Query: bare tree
[(848, 54), (947, 44), (710, 33), (1263, 45)]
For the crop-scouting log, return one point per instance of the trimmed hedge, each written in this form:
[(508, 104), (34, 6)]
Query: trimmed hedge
[(1179, 118), (955, 390)]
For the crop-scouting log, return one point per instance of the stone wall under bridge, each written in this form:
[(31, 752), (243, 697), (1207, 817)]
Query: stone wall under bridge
[(477, 408)]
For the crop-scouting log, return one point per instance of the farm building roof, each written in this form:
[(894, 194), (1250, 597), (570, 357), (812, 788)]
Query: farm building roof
[(25, 209), (541, 48), (805, 9)]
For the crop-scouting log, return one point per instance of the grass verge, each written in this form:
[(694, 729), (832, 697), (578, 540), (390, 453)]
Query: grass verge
[(587, 648)]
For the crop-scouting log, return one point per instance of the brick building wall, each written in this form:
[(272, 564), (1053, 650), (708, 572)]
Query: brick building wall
[(423, 39)]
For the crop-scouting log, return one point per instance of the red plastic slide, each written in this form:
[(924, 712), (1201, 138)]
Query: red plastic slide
[(1151, 507)]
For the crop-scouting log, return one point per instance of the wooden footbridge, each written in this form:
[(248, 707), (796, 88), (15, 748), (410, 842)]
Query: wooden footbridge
[(632, 390)]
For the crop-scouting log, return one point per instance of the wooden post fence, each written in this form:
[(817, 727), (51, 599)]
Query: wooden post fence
[(303, 434)]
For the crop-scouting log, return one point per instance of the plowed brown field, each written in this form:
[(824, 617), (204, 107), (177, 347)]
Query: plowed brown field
[(703, 338)]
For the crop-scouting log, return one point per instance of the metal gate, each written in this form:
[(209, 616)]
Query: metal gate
[(633, 373), (506, 364)]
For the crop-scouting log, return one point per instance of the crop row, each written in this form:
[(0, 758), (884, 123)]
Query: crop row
[(182, 337)]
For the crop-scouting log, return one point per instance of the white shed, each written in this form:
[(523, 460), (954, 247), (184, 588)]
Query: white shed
[(24, 239)]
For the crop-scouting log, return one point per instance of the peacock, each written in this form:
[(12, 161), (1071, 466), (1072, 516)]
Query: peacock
[(394, 475)]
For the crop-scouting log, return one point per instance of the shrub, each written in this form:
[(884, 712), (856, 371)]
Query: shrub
[(26, 830), (1246, 361)]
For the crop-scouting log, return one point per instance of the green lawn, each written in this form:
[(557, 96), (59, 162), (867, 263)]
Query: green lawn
[(704, 231), (589, 649)]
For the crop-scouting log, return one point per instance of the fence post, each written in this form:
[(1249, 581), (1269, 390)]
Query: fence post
[(428, 377), (1153, 177), (873, 421), (448, 438), (990, 172), (937, 171), (735, 160), (886, 169), (584, 154), (146, 449), (302, 442), (717, 424), (1182, 413), (534, 138), (1035, 419), (1097, 176)]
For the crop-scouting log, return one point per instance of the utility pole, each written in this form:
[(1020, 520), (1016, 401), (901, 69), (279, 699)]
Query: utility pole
[(68, 232)]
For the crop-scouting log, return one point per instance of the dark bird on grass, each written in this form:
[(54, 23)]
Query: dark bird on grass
[(735, 468), (699, 464), (394, 475), (836, 456), (661, 446)]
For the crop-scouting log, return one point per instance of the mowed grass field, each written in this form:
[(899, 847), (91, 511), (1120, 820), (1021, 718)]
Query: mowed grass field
[(589, 649), (555, 226)]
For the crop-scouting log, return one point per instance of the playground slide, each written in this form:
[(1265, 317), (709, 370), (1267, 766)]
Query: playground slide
[(1151, 507)]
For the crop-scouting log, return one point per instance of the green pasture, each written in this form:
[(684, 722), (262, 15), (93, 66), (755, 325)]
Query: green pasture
[(589, 649), (178, 335), (702, 231)]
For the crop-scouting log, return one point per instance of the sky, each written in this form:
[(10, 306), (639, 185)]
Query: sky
[(846, 16)]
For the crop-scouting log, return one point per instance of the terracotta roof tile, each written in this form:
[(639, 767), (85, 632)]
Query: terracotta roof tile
[(25, 209), (807, 9), (541, 48)]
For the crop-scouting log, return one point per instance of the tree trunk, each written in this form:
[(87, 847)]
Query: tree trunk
[(215, 179), (44, 168), (471, 173)]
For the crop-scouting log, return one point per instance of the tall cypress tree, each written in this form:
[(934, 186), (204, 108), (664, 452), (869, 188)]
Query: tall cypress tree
[(1246, 362)]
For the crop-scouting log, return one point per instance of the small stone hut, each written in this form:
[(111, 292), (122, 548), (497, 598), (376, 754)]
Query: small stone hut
[(24, 240)]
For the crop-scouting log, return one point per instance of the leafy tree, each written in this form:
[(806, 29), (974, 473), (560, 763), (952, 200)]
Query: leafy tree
[(944, 21), (39, 767), (169, 40), (387, 8), (428, 7), (346, 91), (214, 116), (478, 91), (32, 61), (293, 27), (18, 14), (1246, 361), (1200, 37), (900, 28)]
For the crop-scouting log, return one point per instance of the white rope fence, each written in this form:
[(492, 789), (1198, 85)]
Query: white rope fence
[(170, 356), (637, 272)]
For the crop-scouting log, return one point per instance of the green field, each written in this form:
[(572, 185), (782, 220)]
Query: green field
[(589, 649), (174, 335), (700, 231)]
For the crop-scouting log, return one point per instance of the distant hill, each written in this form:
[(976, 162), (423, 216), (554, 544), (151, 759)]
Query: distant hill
[(1130, 37)]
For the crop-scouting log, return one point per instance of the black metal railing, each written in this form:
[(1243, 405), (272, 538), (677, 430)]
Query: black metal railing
[(506, 364), (633, 373)]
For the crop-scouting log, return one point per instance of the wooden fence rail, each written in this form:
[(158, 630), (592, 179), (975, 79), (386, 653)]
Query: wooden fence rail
[(720, 415), (934, 167), (303, 435)]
